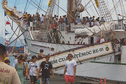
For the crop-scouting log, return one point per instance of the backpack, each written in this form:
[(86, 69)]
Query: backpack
[(98, 41)]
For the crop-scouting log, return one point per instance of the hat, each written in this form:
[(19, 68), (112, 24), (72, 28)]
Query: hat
[(7, 61)]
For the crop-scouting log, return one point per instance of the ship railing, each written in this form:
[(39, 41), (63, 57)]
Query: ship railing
[(120, 26), (62, 26), (33, 25)]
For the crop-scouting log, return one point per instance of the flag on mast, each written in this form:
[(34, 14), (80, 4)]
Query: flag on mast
[(6, 32), (97, 4), (7, 23), (6, 42), (5, 13)]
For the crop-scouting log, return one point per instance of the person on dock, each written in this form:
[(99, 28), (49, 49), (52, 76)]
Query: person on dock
[(33, 67), (8, 74), (7, 62), (70, 70), (21, 67), (46, 67)]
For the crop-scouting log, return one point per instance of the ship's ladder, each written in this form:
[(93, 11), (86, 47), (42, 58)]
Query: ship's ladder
[(51, 34), (104, 11), (43, 34)]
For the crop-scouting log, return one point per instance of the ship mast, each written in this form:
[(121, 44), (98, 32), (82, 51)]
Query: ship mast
[(74, 7), (71, 7)]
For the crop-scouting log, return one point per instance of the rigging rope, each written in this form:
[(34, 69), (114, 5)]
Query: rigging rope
[(15, 3), (25, 6), (115, 9), (87, 4), (116, 5), (39, 5), (108, 3), (15, 33), (121, 7)]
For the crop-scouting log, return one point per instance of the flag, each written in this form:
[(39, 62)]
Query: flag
[(6, 42), (8, 13), (5, 13), (97, 4), (6, 32), (49, 3), (7, 23)]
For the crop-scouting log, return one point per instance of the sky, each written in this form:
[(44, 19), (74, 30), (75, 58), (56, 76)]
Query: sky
[(20, 4)]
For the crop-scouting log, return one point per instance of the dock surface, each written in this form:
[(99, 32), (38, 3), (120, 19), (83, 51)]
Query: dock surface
[(58, 79)]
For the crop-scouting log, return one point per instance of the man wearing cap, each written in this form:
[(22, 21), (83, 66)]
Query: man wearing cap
[(46, 67), (8, 74), (70, 70)]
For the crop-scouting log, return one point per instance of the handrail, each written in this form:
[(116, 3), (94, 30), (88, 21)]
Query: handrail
[(84, 46)]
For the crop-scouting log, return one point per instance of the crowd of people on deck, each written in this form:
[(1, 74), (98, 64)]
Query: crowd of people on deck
[(89, 21), (54, 21), (39, 19)]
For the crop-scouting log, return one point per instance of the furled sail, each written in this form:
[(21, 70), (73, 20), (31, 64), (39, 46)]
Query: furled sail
[(95, 29), (80, 8)]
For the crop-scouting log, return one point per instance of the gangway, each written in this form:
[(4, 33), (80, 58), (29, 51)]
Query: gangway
[(83, 54)]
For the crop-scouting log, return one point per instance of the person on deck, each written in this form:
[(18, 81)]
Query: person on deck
[(40, 55), (78, 20), (60, 20), (102, 20), (102, 40), (64, 19), (42, 18), (84, 21), (52, 51), (98, 21), (87, 21)]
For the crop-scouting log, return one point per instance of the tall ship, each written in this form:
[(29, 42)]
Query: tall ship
[(100, 39)]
